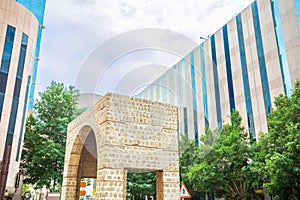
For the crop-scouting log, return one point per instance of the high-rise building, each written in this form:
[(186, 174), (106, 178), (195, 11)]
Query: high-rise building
[(19, 30), (244, 65), (37, 7)]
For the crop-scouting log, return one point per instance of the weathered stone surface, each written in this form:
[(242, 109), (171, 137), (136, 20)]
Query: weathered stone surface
[(127, 133)]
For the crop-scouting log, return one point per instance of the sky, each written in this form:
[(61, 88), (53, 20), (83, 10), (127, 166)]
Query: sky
[(123, 45)]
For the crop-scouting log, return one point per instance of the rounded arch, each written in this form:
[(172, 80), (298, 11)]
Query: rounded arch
[(84, 144)]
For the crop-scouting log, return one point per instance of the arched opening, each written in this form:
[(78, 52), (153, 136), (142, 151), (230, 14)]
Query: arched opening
[(87, 168), (82, 163)]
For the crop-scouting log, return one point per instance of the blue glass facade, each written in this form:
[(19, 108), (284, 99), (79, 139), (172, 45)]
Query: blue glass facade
[(160, 89), (247, 63), (168, 86), (143, 95), (216, 81), (204, 87), (17, 89), (23, 119), (261, 58), (228, 69), (183, 79), (37, 7), (284, 66), (175, 77), (148, 93), (185, 121), (154, 92), (194, 96), (5, 63), (247, 94), (297, 7), (184, 96)]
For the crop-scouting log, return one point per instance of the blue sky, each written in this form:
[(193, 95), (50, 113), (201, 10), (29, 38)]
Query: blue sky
[(76, 28)]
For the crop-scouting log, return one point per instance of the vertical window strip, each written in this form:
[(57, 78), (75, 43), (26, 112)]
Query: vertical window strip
[(228, 69), (168, 86), (204, 88), (160, 89), (247, 94), (1, 103), (185, 121), (154, 92), (22, 56), (184, 100), (183, 78), (5, 63), (38, 9), (175, 85), (216, 81), (23, 120), (284, 66), (261, 58), (194, 97), (149, 92), (17, 90), (297, 8), (8, 48)]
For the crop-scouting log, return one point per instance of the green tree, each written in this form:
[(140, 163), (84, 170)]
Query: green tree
[(280, 148), (45, 136), (141, 184), (224, 170), (29, 164)]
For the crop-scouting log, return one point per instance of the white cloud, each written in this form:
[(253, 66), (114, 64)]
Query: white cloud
[(76, 27)]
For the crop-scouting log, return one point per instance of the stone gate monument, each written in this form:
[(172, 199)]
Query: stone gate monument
[(117, 134)]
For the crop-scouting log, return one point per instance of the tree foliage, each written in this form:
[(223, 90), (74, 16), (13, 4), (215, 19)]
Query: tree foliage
[(221, 163), (140, 184), (45, 136), (280, 148), (233, 168)]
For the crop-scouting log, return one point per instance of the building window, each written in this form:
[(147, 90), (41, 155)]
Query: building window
[(22, 56), (204, 89), (17, 89), (168, 86), (284, 66), (154, 92), (8, 47), (184, 96), (160, 89), (228, 68), (261, 59), (183, 79), (149, 92), (194, 96), (216, 81), (1, 103), (23, 119), (297, 8), (185, 121), (5, 63), (3, 82), (247, 94), (175, 75)]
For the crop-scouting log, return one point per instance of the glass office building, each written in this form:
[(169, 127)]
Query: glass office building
[(244, 65), (18, 39), (37, 7)]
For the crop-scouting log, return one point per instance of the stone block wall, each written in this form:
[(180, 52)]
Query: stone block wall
[(129, 133)]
